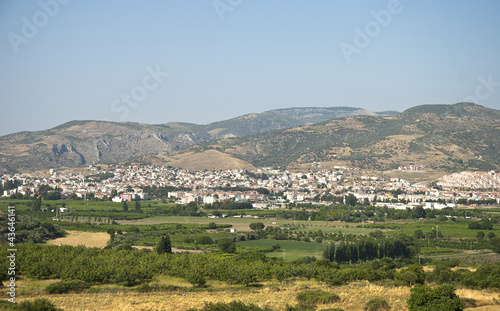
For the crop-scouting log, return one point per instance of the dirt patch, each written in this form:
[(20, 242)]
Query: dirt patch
[(88, 239), (209, 159)]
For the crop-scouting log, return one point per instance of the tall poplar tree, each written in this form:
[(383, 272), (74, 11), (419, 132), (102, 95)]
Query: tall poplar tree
[(164, 246)]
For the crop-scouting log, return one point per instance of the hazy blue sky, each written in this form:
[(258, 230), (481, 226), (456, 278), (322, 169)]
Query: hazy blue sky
[(204, 61)]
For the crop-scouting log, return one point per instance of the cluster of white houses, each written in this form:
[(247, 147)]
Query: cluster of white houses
[(206, 187)]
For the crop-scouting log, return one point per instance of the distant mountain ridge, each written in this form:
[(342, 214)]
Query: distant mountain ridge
[(443, 137), (77, 143)]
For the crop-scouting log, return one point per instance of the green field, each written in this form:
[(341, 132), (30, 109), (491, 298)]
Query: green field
[(289, 250), (449, 229), (242, 224)]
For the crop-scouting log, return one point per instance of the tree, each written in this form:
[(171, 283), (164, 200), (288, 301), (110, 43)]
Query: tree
[(125, 206), (418, 212), (480, 235), (329, 252), (164, 246), (111, 233), (441, 298), (137, 205), (36, 205), (205, 240), (351, 200), (44, 189), (495, 244), (53, 195), (255, 226), (418, 234), (413, 274), (227, 245)]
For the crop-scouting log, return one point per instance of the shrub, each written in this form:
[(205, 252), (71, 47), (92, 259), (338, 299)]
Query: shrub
[(205, 240), (377, 304), (481, 225), (232, 306), (125, 246), (412, 275), (40, 304), (441, 298), (226, 245), (66, 287), (302, 306), (316, 296), (197, 278)]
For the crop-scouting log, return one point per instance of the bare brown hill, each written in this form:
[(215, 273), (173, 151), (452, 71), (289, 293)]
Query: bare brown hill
[(79, 143)]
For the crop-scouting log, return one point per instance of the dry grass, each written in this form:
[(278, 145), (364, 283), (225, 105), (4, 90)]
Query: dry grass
[(89, 239), (485, 299), (354, 297)]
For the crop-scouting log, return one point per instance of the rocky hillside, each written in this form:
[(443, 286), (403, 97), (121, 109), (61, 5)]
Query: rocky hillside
[(79, 143), (443, 137)]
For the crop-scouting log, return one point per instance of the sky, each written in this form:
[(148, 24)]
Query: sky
[(204, 61)]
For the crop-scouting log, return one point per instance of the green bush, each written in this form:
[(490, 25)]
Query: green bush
[(412, 275), (66, 287), (197, 278), (316, 296), (40, 304), (232, 306), (377, 304), (125, 246), (441, 298), (7, 305), (302, 306), (227, 245)]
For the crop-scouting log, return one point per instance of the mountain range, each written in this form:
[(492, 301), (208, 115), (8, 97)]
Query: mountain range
[(444, 137)]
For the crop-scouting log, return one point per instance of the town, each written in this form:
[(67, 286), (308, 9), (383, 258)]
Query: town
[(265, 188)]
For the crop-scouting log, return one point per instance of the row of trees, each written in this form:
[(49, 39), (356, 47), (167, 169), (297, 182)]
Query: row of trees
[(130, 267), (368, 250), (137, 206), (229, 205)]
